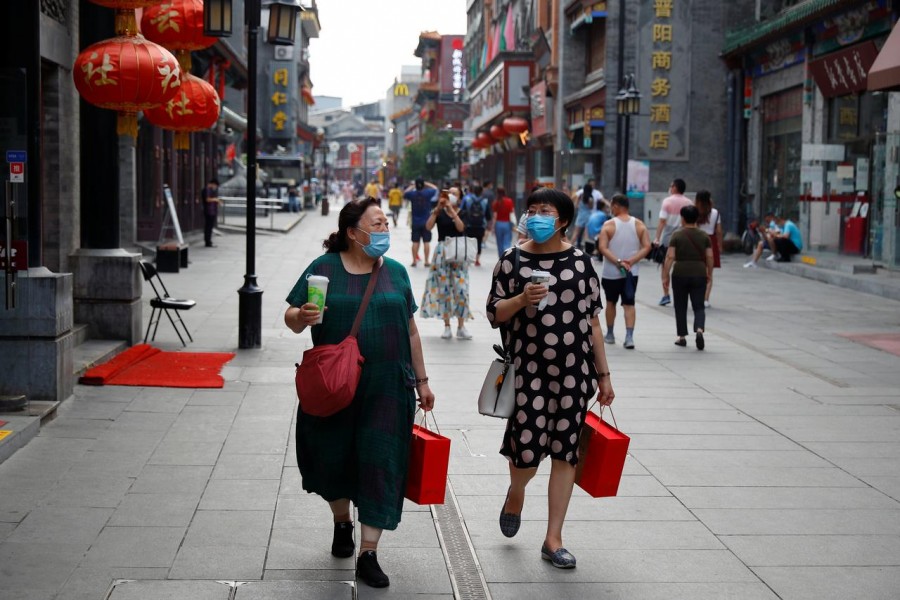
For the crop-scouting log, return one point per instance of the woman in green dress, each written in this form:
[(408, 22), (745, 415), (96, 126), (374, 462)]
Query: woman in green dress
[(360, 454)]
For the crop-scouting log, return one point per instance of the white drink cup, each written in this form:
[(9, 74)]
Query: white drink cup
[(318, 287), (541, 278)]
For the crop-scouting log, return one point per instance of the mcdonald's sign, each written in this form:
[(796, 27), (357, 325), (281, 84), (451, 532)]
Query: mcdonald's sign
[(401, 89)]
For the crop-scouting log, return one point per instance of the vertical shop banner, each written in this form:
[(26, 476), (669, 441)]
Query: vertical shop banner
[(281, 92), (664, 80)]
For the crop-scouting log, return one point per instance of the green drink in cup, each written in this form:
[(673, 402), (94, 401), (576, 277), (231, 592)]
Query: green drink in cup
[(318, 286)]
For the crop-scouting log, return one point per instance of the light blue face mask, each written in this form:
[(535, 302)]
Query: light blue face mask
[(379, 243), (541, 227)]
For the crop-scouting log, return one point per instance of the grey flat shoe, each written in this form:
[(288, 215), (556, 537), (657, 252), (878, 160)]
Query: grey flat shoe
[(560, 558), (509, 522)]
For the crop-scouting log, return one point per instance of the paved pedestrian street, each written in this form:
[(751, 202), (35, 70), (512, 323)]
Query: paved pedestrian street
[(766, 466)]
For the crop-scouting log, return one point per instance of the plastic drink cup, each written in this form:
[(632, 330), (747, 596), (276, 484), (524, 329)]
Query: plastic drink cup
[(541, 278), (318, 287)]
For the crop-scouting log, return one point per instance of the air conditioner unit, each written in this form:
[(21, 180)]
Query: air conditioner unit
[(284, 52)]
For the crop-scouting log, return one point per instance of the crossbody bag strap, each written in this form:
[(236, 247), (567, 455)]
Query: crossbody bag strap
[(366, 297)]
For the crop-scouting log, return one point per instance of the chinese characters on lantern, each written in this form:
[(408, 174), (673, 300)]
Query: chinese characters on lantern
[(665, 58)]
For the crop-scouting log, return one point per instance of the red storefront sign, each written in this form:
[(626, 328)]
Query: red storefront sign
[(845, 71), (19, 255)]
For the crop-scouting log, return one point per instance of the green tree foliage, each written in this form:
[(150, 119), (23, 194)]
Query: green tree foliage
[(436, 143)]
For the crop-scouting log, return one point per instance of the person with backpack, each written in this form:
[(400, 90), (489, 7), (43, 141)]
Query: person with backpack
[(477, 213)]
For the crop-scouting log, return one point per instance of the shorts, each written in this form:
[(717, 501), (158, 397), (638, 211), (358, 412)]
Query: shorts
[(420, 234), (613, 288), (395, 210)]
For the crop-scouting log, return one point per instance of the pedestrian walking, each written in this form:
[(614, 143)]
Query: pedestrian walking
[(587, 200), (624, 242), (503, 210), (360, 454), (593, 228), (395, 201), (447, 288), (421, 197), (210, 197), (669, 222), (476, 214), (691, 254), (293, 199), (710, 222), (559, 358)]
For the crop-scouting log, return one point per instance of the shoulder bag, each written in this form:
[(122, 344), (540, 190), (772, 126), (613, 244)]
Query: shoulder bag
[(498, 392), (460, 249), (328, 375)]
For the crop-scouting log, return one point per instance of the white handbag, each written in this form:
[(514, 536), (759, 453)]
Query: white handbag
[(460, 249), (498, 393)]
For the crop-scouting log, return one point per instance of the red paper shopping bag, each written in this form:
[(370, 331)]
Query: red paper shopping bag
[(601, 451), (429, 457)]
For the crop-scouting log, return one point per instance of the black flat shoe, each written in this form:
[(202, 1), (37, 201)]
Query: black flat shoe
[(342, 545), (369, 572), (681, 342), (701, 344), (509, 522)]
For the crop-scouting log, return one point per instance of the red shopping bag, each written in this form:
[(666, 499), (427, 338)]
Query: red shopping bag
[(601, 457), (429, 457)]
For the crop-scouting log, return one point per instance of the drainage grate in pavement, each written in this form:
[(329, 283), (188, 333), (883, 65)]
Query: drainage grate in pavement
[(465, 572)]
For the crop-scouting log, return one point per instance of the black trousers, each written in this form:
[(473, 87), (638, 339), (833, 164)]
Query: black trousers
[(786, 248), (682, 289), (478, 234), (209, 221)]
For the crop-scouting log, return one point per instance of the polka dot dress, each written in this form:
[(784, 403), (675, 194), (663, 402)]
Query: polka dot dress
[(553, 354)]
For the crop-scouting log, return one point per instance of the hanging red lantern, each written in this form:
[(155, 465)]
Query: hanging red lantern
[(127, 74), (177, 25), (476, 143), (498, 133), (515, 125), (485, 139), (194, 108)]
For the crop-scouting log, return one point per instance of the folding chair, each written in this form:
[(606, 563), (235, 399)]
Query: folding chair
[(164, 303)]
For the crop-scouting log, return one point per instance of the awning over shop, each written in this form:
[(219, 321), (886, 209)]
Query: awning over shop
[(885, 71)]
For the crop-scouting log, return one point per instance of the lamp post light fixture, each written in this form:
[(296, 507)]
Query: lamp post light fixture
[(628, 104), (433, 159), (217, 23)]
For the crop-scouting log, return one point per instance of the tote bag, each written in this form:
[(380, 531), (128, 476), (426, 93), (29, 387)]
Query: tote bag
[(460, 249)]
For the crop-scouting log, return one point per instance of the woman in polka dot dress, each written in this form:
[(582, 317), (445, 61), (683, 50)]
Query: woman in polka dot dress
[(559, 359)]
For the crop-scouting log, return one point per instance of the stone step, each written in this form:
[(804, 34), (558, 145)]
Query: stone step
[(91, 353), (79, 334), (17, 431)]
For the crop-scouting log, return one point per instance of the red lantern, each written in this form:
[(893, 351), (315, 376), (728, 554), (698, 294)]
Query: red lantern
[(485, 139), (514, 125), (177, 25), (476, 143), (126, 74), (194, 108), (498, 133), (126, 4)]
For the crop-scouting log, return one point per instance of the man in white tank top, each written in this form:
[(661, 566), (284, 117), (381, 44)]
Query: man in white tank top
[(624, 242)]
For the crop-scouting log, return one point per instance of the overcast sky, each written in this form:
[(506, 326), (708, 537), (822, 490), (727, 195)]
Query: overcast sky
[(363, 43)]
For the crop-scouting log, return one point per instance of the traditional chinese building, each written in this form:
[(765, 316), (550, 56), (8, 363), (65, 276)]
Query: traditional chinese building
[(821, 128)]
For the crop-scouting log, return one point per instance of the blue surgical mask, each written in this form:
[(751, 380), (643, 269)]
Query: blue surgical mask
[(541, 227), (379, 242)]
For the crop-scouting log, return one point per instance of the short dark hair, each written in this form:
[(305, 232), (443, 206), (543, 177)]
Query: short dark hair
[(621, 200), (420, 183), (559, 200), (690, 214), (477, 189), (348, 217), (214, 180), (680, 185)]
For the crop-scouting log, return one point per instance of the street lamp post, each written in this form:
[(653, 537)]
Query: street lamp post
[(281, 30), (628, 103), (320, 136), (432, 159)]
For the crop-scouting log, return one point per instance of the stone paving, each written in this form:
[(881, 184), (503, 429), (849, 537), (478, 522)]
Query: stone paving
[(767, 466)]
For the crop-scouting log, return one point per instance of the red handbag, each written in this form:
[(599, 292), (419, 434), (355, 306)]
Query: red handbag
[(601, 456), (328, 375), (429, 459)]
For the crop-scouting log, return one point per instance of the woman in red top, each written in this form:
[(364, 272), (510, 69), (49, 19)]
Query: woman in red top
[(502, 208)]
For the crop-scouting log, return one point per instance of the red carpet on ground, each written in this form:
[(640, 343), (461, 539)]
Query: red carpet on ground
[(144, 365), (887, 342)]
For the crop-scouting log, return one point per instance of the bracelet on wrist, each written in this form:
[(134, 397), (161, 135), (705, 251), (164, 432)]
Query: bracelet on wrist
[(421, 380)]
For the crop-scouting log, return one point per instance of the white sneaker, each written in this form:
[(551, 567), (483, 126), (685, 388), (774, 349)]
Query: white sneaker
[(447, 334), (750, 265), (462, 334), (771, 257)]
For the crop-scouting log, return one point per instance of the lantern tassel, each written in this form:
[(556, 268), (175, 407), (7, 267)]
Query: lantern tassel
[(127, 124), (182, 140), (184, 60)]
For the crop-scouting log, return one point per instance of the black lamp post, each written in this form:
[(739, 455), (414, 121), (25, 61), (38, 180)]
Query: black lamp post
[(433, 159), (628, 103), (281, 30), (320, 137)]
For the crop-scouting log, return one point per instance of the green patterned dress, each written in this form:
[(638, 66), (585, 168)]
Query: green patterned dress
[(362, 452)]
